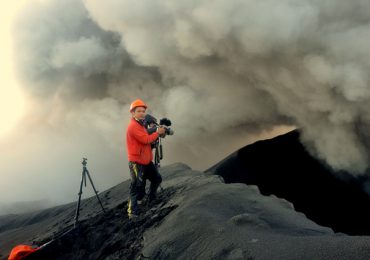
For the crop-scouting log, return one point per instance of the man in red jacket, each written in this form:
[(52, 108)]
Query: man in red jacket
[(140, 157)]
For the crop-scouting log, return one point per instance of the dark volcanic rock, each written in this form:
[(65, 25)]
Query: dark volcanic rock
[(197, 216), (108, 236), (281, 166)]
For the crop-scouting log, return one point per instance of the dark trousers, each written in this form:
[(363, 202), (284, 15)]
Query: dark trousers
[(139, 174)]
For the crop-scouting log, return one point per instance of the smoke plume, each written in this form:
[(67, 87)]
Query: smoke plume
[(303, 63)]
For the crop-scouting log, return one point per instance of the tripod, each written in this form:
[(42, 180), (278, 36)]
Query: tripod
[(83, 180), (158, 153)]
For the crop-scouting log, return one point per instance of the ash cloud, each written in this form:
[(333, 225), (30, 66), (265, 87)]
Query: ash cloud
[(303, 63), (225, 72)]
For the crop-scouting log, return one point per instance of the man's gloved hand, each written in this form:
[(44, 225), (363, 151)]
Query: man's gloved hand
[(161, 131)]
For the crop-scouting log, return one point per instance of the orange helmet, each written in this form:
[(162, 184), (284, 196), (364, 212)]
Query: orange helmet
[(138, 103)]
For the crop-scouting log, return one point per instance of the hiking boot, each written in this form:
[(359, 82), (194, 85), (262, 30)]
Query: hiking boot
[(132, 216)]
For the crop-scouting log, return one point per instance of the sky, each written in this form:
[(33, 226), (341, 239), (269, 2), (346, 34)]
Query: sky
[(227, 73)]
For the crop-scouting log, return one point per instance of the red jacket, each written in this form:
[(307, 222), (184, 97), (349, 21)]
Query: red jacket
[(138, 143)]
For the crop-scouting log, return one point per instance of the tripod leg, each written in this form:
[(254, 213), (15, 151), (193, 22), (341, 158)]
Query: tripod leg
[(157, 159), (79, 198), (160, 186), (160, 150), (96, 193)]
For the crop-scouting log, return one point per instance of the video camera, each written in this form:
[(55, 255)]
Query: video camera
[(151, 123)]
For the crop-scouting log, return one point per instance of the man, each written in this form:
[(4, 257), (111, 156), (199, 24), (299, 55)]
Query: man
[(140, 157)]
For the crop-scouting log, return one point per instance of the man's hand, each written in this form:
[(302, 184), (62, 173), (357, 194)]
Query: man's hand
[(161, 131)]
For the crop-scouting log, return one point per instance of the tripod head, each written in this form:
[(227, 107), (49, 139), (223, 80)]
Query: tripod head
[(84, 162)]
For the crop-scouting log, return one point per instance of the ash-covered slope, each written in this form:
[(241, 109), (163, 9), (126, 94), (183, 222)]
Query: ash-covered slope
[(42, 225), (198, 216), (215, 220), (282, 166)]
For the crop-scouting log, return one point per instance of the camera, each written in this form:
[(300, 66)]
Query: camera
[(166, 123), (151, 123)]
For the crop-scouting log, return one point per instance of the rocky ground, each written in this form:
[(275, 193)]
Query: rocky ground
[(108, 236), (196, 216)]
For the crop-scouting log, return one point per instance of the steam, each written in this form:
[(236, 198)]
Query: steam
[(225, 72)]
